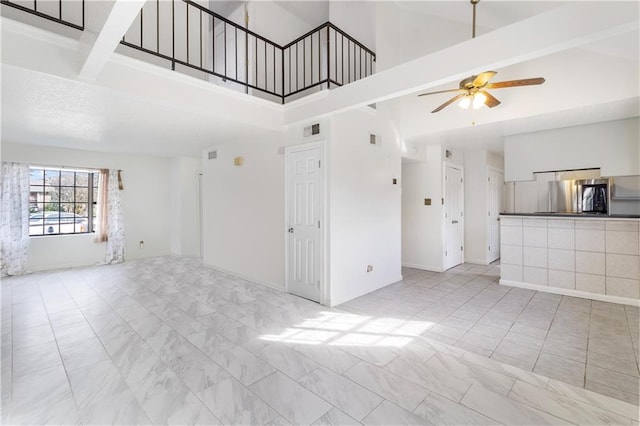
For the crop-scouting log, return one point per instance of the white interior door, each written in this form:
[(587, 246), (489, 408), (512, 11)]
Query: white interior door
[(304, 215), (453, 217), (494, 195)]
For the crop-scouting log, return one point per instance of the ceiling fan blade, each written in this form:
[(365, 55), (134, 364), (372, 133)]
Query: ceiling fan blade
[(483, 78), (449, 102), (491, 100), (439, 91), (515, 83)]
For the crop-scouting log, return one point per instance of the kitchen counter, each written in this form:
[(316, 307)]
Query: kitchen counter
[(581, 215), (583, 255)]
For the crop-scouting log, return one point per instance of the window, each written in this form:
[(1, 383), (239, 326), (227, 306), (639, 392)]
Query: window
[(62, 201)]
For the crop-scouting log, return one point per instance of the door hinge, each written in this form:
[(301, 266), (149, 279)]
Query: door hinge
[(461, 249), (445, 253), (488, 179), (461, 214), (443, 201), (318, 224), (461, 180), (445, 215), (489, 248), (319, 162)]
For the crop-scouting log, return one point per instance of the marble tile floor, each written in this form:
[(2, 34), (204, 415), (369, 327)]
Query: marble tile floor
[(169, 341), (589, 344)]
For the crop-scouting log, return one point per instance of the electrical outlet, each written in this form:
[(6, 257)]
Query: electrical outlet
[(141, 245), (369, 268)]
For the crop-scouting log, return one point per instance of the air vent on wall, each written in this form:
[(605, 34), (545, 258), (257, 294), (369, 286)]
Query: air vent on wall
[(212, 155), (373, 140), (312, 130)]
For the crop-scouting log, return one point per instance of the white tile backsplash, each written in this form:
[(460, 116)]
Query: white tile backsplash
[(537, 223), (590, 283), (622, 242), (534, 237), (623, 225), (623, 266), (562, 279), (596, 225), (561, 238), (590, 240), (511, 272), (561, 223), (534, 256), (511, 255), (510, 221), (590, 262), (623, 287), (511, 235), (563, 260), (535, 275), (591, 255)]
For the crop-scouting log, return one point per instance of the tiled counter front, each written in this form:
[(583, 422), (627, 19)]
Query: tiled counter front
[(598, 258)]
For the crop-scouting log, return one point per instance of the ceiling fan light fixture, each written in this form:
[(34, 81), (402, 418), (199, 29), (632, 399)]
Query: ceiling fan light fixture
[(479, 99), (465, 102)]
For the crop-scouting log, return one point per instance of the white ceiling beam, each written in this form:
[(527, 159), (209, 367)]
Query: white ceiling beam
[(96, 47), (557, 30)]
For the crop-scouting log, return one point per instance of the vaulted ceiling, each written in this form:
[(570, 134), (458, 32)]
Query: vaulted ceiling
[(138, 107)]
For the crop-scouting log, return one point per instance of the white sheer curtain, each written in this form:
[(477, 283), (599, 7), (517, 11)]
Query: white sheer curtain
[(14, 247), (111, 228)]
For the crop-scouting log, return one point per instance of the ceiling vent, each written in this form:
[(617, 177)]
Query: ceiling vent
[(312, 130), (212, 155)]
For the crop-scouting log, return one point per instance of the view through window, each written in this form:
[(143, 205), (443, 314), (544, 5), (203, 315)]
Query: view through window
[(62, 201)]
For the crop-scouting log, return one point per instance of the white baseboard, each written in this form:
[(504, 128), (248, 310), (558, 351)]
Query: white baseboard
[(572, 292), (423, 267), (244, 277), (477, 261)]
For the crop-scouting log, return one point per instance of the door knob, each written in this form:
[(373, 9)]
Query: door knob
[(290, 230)]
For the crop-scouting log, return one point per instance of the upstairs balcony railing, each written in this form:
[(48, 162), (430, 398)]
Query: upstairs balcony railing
[(69, 13), (200, 42)]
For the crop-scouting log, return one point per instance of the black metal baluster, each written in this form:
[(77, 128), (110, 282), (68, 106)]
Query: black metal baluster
[(342, 58), (274, 69), (225, 50), (311, 65), (157, 26), (187, 12), (201, 39), (60, 9), (141, 20), (213, 44), (297, 71), (235, 46), (266, 74), (255, 82), (289, 69), (335, 51), (83, 14), (173, 34)]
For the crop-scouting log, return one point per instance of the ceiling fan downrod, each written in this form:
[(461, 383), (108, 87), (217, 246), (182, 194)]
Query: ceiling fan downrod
[(473, 26)]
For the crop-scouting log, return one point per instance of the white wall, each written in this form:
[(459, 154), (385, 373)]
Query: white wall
[(243, 224), (422, 233), (612, 146), (475, 206), (145, 204), (365, 205), (356, 18), (476, 203), (243, 207), (185, 206), (403, 34)]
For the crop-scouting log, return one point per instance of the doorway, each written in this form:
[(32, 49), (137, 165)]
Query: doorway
[(494, 200), (453, 216), (304, 220)]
